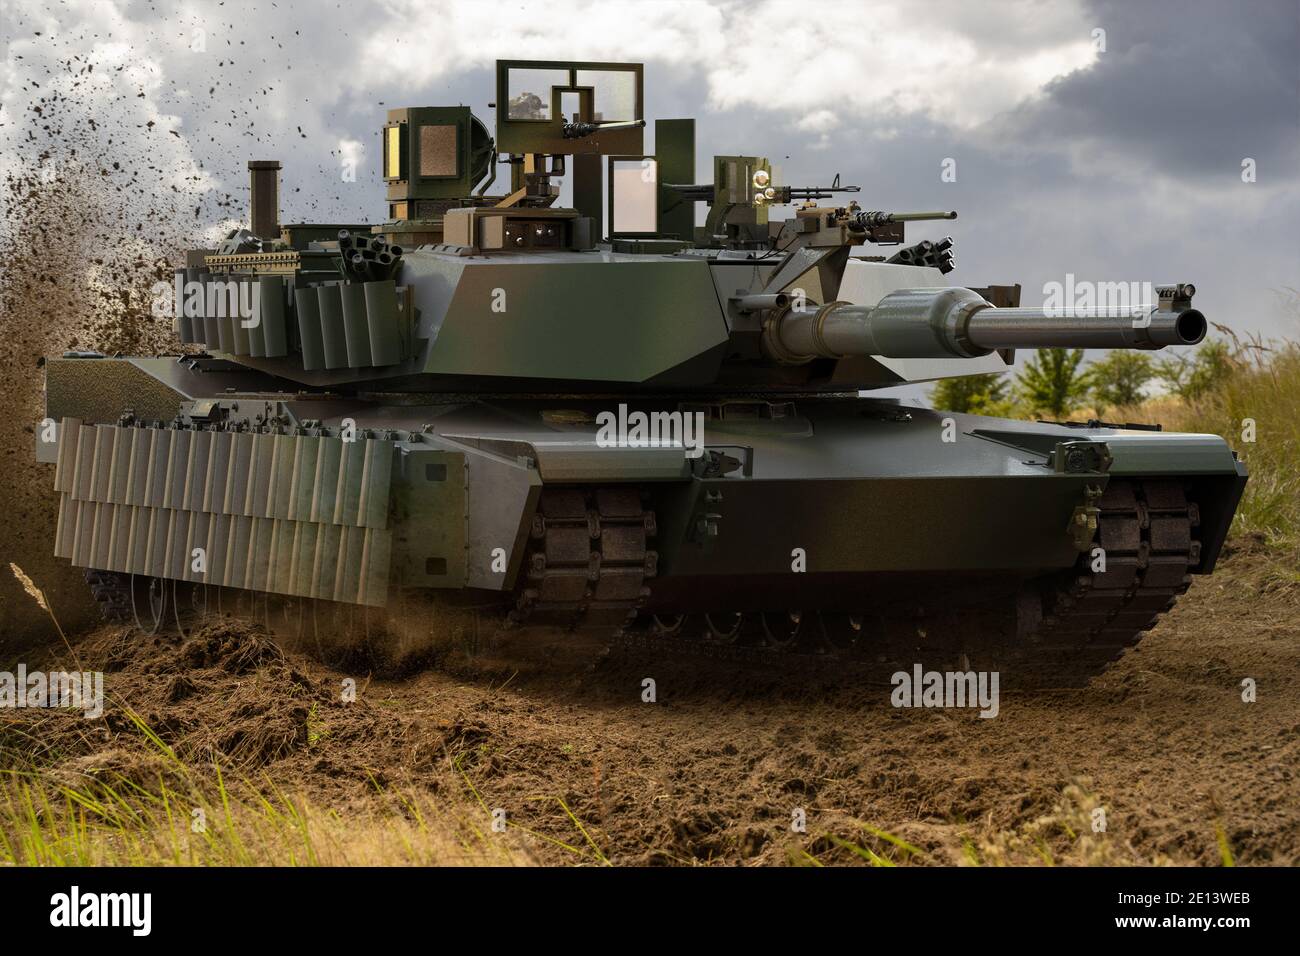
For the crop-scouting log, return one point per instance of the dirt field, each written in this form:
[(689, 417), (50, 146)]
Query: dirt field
[(558, 736)]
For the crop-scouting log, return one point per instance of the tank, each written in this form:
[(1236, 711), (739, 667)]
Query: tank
[(609, 418)]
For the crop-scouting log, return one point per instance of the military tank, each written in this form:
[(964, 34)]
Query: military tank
[(608, 417)]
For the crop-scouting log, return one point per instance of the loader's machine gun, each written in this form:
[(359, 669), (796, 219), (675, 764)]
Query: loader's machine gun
[(742, 190)]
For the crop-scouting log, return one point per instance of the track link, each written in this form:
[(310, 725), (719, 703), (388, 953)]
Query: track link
[(1147, 533), (588, 558), (112, 594), (1063, 631)]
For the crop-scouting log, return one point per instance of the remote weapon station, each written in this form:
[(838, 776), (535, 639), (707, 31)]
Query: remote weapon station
[(609, 416)]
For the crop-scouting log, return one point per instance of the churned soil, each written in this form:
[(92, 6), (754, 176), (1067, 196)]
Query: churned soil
[(555, 730)]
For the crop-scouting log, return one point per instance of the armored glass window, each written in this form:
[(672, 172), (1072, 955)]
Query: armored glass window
[(530, 93), (615, 94), (570, 106)]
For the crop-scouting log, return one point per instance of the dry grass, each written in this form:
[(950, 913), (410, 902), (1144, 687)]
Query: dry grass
[(1266, 393), (1263, 389), (164, 812), (113, 791), (1073, 833)]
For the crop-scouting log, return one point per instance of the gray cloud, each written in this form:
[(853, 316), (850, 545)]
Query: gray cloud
[(1183, 89)]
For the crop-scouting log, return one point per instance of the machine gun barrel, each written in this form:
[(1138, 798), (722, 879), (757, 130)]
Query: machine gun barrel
[(959, 323), (785, 194), (870, 220), (579, 130), (780, 195)]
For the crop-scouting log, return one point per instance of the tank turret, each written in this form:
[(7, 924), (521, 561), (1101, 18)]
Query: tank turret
[(623, 288)]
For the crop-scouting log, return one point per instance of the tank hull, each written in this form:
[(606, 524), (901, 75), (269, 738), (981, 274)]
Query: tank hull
[(539, 507)]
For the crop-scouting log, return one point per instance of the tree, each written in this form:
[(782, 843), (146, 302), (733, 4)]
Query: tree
[(1052, 382), (973, 394), (1191, 376), (1120, 379)]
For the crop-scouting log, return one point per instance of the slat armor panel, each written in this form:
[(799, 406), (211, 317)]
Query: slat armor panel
[(303, 515), (337, 325)]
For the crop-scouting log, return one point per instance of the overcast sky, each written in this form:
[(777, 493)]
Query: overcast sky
[(1104, 139)]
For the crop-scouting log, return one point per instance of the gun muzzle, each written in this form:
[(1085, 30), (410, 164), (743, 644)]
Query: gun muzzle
[(959, 323)]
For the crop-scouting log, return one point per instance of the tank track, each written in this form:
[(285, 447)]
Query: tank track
[(1147, 532), (1062, 632), (589, 563), (112, 594), (588, 558)]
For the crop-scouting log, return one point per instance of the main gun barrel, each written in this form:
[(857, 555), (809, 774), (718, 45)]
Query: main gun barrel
[(959, 323), (1032, 328)]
